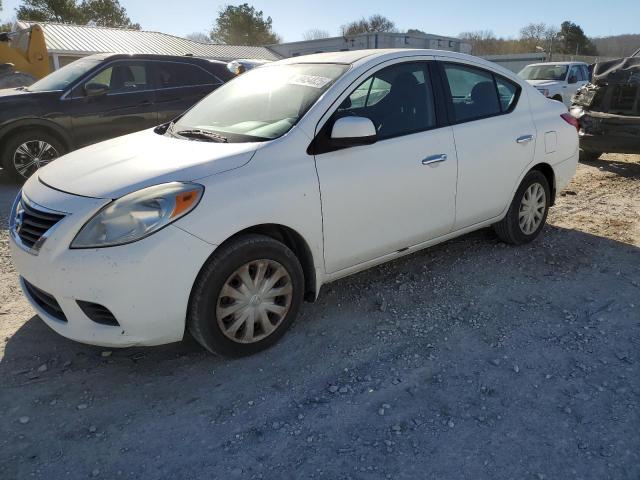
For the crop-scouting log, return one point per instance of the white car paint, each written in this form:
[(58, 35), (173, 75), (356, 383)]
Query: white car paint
[(353, 208), (559, 88)]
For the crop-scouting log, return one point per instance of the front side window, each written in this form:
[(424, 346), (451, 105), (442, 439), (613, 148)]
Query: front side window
[(123, 77), (575, 75), (473, 92), (65, 76), (397, 99), (262, 104)]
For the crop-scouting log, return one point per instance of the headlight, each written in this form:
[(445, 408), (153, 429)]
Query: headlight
[(544, 91), (138, 215)]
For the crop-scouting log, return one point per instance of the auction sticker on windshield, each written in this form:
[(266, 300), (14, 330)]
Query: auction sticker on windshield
[(309, 81)]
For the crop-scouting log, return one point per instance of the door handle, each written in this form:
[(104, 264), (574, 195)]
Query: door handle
[(524, 139), (144, 103), (441, 157)]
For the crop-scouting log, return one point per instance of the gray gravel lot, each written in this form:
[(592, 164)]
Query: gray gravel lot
[(469, 360)]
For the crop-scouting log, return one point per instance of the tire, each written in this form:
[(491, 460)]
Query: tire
[(509, 229), (557, 98), (206, 320), (11, 154), (589, 155)]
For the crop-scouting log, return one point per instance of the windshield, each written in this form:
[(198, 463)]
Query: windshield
[(544, 72), (261, 104), (62, 78)]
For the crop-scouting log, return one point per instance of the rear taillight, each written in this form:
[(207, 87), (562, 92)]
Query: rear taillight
[(571, 120)]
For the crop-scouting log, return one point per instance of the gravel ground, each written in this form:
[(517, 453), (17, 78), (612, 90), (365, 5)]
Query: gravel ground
[(469, 360)]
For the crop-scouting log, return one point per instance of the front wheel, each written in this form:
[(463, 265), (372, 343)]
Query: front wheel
[(528, 211), (27, 151), (246, 296)]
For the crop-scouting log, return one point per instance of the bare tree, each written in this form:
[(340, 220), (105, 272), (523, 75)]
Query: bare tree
[(375, 23), (538, 35), (315, 34), (198, 37)]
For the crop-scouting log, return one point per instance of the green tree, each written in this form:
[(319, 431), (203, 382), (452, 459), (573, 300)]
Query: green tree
[(106, 13), (243, 25), (65, 11), (375, 23), (573, 40)]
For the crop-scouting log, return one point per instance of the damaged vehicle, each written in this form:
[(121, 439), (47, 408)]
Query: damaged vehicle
[(608, 109)]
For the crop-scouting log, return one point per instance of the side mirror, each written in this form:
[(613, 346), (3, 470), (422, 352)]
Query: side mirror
[(573, 79), (95, 89), (352, 131)]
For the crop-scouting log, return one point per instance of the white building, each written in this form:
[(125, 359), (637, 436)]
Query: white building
[(371, 40)]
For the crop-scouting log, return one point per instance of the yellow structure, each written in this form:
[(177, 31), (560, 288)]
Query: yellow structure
[(26, 49)]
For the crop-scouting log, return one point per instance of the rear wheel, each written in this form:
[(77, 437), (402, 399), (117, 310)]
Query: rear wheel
[(528, 210), (246, 296), (27, 151)]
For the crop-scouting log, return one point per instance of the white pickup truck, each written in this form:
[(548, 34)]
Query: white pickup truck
[(559, 80)]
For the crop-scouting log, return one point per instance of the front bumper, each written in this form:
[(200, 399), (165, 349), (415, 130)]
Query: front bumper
[(145, 285)]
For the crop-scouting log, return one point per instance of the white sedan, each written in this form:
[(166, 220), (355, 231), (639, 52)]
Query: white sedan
[(288, 177)]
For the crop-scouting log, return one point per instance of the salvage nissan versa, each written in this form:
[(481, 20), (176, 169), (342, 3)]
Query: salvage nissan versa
[(288, 177)]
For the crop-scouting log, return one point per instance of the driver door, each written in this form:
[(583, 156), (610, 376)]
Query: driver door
[(398, 192), (127, 105)]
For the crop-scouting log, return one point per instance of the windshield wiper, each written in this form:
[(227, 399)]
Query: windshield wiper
[(200, 134)]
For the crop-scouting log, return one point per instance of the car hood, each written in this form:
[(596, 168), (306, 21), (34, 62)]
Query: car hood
[(123, 165), (544, 83)]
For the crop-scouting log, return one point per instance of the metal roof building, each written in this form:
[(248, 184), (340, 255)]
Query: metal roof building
[(66, 43)]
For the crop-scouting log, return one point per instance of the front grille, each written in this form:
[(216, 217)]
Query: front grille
[(98, 313), (31, 223), (45, 301)]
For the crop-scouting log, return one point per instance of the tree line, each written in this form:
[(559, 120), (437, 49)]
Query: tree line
[(244, 25)]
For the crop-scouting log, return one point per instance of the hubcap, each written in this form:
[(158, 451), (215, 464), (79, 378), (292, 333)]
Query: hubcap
[(32, 155), (532, 208), (254, 300)]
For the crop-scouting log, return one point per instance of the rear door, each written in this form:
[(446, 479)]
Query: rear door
[(127, 106), (494, 137), (180, 86)]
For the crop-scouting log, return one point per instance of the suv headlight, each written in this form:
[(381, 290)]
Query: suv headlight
[(544, 91), (138, 215)]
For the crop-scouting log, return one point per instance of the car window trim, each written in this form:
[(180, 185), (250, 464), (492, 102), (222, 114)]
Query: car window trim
[(319, 146), (98, 68), (449, 96)]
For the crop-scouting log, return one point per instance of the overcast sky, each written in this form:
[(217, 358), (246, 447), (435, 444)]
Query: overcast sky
[(291, 18)]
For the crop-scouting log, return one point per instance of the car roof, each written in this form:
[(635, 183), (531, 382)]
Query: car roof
[(149, 56), (359, 57)]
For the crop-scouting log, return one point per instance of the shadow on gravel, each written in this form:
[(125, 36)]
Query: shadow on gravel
[(623, 169)]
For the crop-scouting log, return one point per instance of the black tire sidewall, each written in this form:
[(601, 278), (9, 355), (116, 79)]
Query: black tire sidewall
[(202, 308), (15, 140), (517, 234)]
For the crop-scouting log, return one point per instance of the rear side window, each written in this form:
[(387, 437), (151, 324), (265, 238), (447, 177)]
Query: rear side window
[(172, 75), (473, 92), (507, 93)]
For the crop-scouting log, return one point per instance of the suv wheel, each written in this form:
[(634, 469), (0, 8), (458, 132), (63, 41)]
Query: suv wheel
[(27, 151), (528, 210), (246, 296)]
